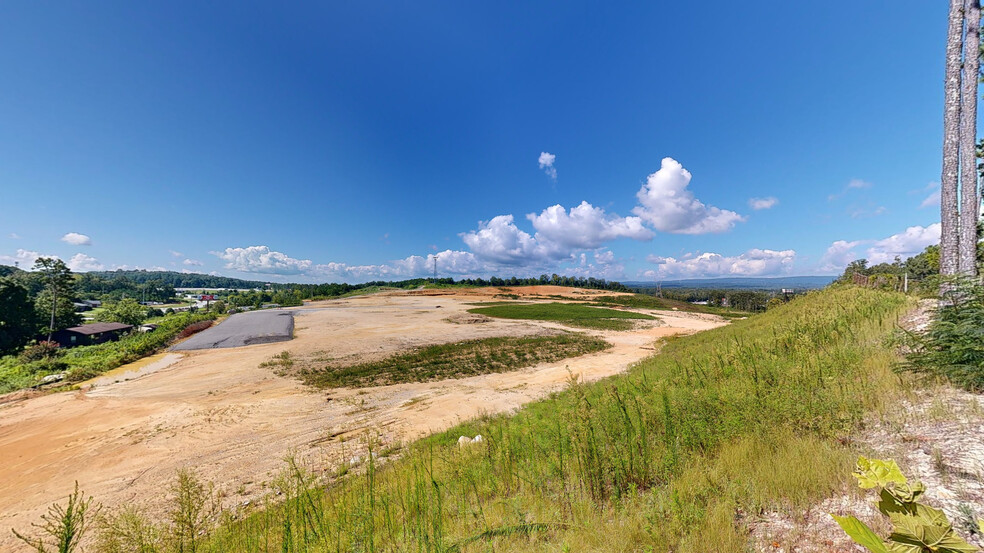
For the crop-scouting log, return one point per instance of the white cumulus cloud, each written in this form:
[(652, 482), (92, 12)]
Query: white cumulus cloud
[(669, 206), (763, 203), (76, 239), (546, 162), (23, 258), (838, 255), (192, 262), (754, 262), (903, 245), (500, 241), (585, 226), (261, 259), (81, 263)]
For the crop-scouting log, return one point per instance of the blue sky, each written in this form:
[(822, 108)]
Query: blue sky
[(313, 142)]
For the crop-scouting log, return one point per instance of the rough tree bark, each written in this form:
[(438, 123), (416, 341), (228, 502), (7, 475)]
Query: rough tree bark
[(951, 143), (969, 204)]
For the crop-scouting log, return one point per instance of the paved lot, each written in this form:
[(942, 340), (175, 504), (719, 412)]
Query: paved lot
[(244, 329)]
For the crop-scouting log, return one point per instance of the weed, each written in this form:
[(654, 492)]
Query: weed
[(918, 528), (63, 527)]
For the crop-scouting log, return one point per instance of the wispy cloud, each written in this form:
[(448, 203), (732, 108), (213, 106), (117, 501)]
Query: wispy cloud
[(933, 199), (853, 184), (763, 203)]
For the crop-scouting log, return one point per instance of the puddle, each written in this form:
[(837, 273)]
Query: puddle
[(136, 369)]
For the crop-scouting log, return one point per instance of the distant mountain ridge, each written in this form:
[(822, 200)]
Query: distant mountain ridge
[(741, 283)]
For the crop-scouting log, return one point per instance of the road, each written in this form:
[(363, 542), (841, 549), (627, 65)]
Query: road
[(244, 329)]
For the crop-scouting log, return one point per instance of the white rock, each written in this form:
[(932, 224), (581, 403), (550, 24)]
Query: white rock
[(477, 439), (354, 461)]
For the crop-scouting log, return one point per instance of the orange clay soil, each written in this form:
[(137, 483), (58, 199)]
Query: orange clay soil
[(124, 435)]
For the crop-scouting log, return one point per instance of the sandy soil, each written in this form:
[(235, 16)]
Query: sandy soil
[(124, 435)]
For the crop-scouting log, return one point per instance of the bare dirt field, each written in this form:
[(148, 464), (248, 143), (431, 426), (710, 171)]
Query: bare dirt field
[(124, 435)]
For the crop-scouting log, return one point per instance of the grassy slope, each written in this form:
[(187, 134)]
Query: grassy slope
[(457, 360), (671, 456)]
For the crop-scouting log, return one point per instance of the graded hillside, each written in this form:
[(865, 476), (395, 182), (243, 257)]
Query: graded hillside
[(682, 453), (233, 414)]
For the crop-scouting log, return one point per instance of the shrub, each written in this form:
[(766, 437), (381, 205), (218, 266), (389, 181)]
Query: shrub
[(194, 328), (953, 346), (42, 350)]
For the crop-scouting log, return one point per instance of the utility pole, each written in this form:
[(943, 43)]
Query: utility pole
[(435, 268)]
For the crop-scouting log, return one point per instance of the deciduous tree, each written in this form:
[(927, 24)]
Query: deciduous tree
[(18, 320)]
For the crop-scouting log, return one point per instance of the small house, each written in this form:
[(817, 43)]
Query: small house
[(87, 335)]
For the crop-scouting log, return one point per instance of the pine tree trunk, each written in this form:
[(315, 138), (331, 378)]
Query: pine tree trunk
[(951, 144), (969, 203)]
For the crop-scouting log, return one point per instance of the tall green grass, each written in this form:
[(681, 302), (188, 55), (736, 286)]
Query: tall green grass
[(673, 456)]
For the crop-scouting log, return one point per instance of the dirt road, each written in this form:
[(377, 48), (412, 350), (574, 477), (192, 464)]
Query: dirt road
[(232, 421)]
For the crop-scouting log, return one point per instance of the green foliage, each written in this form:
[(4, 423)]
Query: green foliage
[(571, 314), (917, 528), (59, 288), (65, 315), (195, 511), (126, 311), (18, 320), (953, 346), (42, 350), (63, 527), (88, 361), (454, 360)]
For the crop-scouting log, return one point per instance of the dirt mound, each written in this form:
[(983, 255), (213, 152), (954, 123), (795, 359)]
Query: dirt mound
[(468, 318)]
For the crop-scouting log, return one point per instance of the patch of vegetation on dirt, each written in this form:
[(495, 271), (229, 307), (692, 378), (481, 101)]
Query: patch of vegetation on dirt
[(570, 314), (643, 301), (456, 360)]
